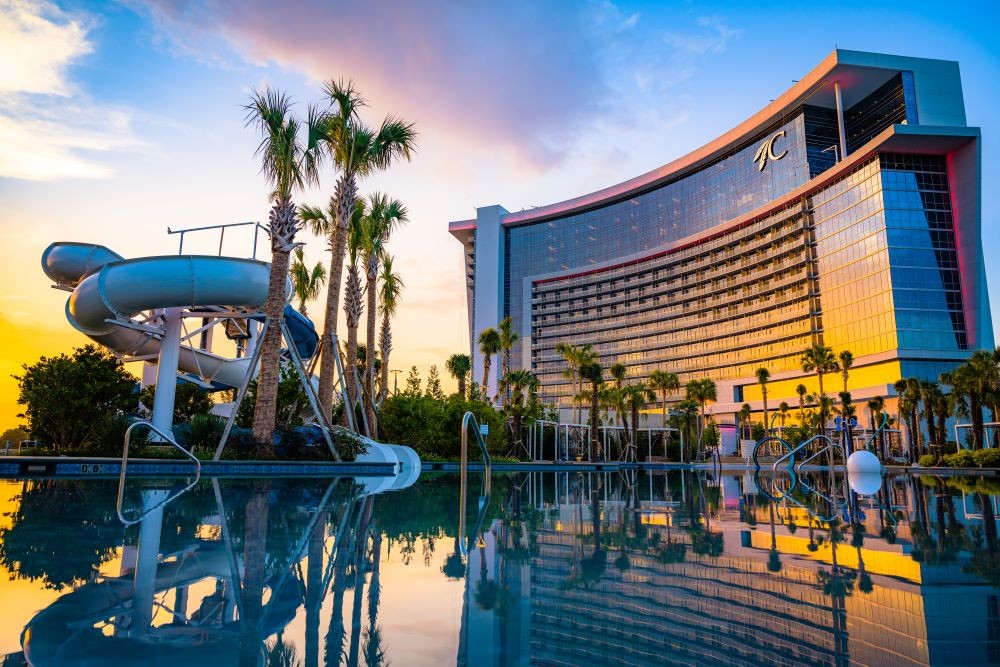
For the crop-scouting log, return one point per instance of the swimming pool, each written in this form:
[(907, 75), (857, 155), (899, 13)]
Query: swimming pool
[(556, 568)]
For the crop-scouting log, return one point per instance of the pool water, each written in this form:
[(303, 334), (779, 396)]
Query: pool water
[(555, 568)]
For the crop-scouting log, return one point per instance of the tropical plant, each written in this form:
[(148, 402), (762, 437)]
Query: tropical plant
[(701, 392), (390, 289), (508, 337), (489, 345), (763, 375), (664, 382), (384, 215), (819, 359), (802, 392), (522, 386), (783, 410), (744, 416), (338, 135), (908, 405), (634, 397), (594, 374), (353, 303), (287, 168), (575, 357), (459, 365), (306, 282), (846, 359)]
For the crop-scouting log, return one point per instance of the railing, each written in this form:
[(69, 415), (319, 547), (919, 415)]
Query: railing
[(222, 234), (484, 497), (121, 479)]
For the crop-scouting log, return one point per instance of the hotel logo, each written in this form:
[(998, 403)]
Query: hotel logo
[(766, 152)]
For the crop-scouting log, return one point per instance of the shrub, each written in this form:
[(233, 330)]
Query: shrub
[(987, 458), (292, 401), (67, 397), (960, 459), (433, 427), (190, 400), (927, 460)]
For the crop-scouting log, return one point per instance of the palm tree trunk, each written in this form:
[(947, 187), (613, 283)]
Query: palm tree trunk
[(344, 204), (385, 343), (267, 380), (593, 419), (254, 558), (370, 341), (314, 593), (352, 310), (486, 377)]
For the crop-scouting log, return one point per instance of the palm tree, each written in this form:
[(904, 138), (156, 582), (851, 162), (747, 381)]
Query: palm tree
[(575, 358), (701, 392), (338, 135), (634, 397), (763, 375), (519, 382), (744, 415), (353, 303), (846, 361), (664, 382), (593, 373), (384, 215), (802, 391), (286, 170), (390, 289), (819, 359), (618, 372), (875, 407), (507, 339), (306, 282), (489, 344), (909, 400), (459, 365), (783, 409)]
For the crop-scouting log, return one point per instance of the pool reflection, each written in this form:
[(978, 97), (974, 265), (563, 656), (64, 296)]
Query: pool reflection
[(557, 568)]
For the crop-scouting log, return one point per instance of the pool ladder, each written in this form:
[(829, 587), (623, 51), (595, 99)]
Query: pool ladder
[(121, 479), (469, 423)]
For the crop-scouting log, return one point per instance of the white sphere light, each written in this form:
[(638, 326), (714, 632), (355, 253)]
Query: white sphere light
[(864, 483), (864, 461)]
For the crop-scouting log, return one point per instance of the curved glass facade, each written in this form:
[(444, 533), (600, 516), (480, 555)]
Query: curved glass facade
[(834, 222)]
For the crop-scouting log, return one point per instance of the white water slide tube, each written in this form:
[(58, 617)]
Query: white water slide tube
[(109, 292)]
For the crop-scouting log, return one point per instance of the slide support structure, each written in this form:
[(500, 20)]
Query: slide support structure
[(166, 370)]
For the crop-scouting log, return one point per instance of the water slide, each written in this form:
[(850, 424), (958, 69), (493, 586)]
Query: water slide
[(109, 292)]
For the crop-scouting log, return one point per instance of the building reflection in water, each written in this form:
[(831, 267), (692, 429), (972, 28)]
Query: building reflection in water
[(558, 569)]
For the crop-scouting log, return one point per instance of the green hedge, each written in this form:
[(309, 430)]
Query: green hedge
[(983, 458)]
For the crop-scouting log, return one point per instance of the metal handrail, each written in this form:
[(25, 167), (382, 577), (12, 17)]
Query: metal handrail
[(121, 479), (468, 420), (871, 439), (790, 456)]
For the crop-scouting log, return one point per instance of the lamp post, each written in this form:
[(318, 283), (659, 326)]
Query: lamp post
[(395, 381)]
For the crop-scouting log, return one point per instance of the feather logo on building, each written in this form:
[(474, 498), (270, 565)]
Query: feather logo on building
[(766, 151)]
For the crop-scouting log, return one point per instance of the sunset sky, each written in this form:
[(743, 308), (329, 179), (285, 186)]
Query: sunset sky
[(118, 120)]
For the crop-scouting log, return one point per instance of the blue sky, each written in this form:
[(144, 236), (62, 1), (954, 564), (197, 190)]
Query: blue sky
[(120, 119)]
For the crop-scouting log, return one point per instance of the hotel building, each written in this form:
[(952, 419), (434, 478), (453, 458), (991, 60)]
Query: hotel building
[(846, 212)]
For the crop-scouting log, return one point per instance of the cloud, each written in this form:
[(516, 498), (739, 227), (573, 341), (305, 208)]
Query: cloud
[(37, 44), (47, 125), (520, 80)]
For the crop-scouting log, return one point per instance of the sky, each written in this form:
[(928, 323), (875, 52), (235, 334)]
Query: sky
[(121, 119)]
